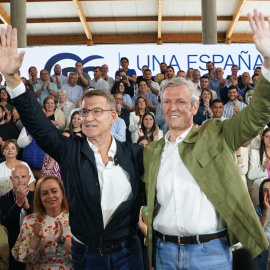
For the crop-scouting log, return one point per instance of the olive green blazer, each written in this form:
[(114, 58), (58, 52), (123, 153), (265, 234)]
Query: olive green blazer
[(208, 153)]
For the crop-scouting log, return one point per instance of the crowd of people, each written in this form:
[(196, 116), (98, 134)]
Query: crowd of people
[(69, 184)]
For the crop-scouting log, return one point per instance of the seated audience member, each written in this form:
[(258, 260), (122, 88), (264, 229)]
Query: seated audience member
[(169, 74), (10, 150), (153, 87), (75, 125), (129, 89), (98, 82), (160, 120), (56, 116), (118, 129), (45, 238), (63, 104), (83, 78), (5, 99), (27, 85), (14, 205), (74, 91), (204, 112), (4, 250), (122, 113), (204, 84), (262, 210), (120, 88), (135, 118), (247, 86), (130, 73), (139, 78), (234, 106), (241, 161), (189, 74), (218, 81), (259, 167), (148, 128), (106, 77), (151, 99), (144, 140), (58, 78), (33, 78), (45, 88), (161, 76), (7, 131), (15, 119), (32, 153)]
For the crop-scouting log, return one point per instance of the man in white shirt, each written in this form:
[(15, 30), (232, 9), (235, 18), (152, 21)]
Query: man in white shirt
[(101, 175), (169, 74), (234, 106), (106, 77), (217, 108), (152, 86), (194, 190), (58, 78), (98, 82)]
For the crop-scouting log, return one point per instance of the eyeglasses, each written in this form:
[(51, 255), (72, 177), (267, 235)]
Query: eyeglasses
[(118, 98), (95, 112), (266, 189)]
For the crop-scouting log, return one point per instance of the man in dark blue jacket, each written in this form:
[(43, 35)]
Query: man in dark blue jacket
[(101, 175)]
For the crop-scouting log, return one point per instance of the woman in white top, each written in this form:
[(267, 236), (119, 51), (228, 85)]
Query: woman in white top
[(10, 150), (149, 128), (259, 168), (63, 104), (136, 116)]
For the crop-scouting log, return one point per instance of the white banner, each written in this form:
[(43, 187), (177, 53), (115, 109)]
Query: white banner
[(179, 56)]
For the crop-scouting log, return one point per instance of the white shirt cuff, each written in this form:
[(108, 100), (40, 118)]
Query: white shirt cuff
[(266, 73), (20, 89)]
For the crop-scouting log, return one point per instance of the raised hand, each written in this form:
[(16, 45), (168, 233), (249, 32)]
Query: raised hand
[(261, 35), (10, 61), (58, 232), (38, 230)]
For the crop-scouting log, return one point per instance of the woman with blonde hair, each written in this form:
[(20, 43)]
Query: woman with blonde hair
[(45, 238)]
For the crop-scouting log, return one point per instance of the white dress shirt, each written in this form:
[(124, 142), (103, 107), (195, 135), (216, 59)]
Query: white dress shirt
[(114, 182), (184, 208)]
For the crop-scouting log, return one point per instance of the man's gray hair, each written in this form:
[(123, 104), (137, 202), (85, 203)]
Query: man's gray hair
[(72, 73), (178, 81)]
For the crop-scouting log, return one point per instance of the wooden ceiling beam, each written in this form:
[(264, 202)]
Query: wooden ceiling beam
[(236, 15), (132, 19), (128, 38), (5, 18), (82, 17), (159, 42)]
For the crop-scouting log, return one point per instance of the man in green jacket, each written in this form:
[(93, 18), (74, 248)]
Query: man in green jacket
[(197, 202)]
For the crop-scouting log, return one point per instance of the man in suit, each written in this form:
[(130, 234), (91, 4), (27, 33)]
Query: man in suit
[(101, 175), (14, 206), (196, 199)]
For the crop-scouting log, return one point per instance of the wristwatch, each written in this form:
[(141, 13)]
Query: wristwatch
[(61, 241)]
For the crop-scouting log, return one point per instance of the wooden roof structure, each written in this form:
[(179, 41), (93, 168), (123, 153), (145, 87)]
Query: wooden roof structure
[(71, 22)]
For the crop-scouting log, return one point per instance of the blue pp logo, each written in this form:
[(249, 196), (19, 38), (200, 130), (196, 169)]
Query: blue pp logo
[(61, 56)]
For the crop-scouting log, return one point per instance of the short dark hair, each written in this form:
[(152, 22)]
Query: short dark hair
[(255, 75), (205, 77), (258, 68), (148, 70), (163, 63), (124, 58), (217, 100), (210, 62), (79, 62), (145, 66), (98, 67), (170, 67), (233, 87)]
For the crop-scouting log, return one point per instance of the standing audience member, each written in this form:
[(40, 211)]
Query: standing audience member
[(45, 87), (247, 86), (98, 82), (234, 106), (161, 76), (45, 238), (74, 91), (83, 79), (151, 99), (10, 150), (5, 99), (169, 74), (120, 88), (106, 77), (217, 110), (259, 167), (130, 73), (75, 125), (218, 81), (33, 78), (153, 87), (14, 206), (58, 78), (189, 74), (148, 128), (122, 77), (204, 112)]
